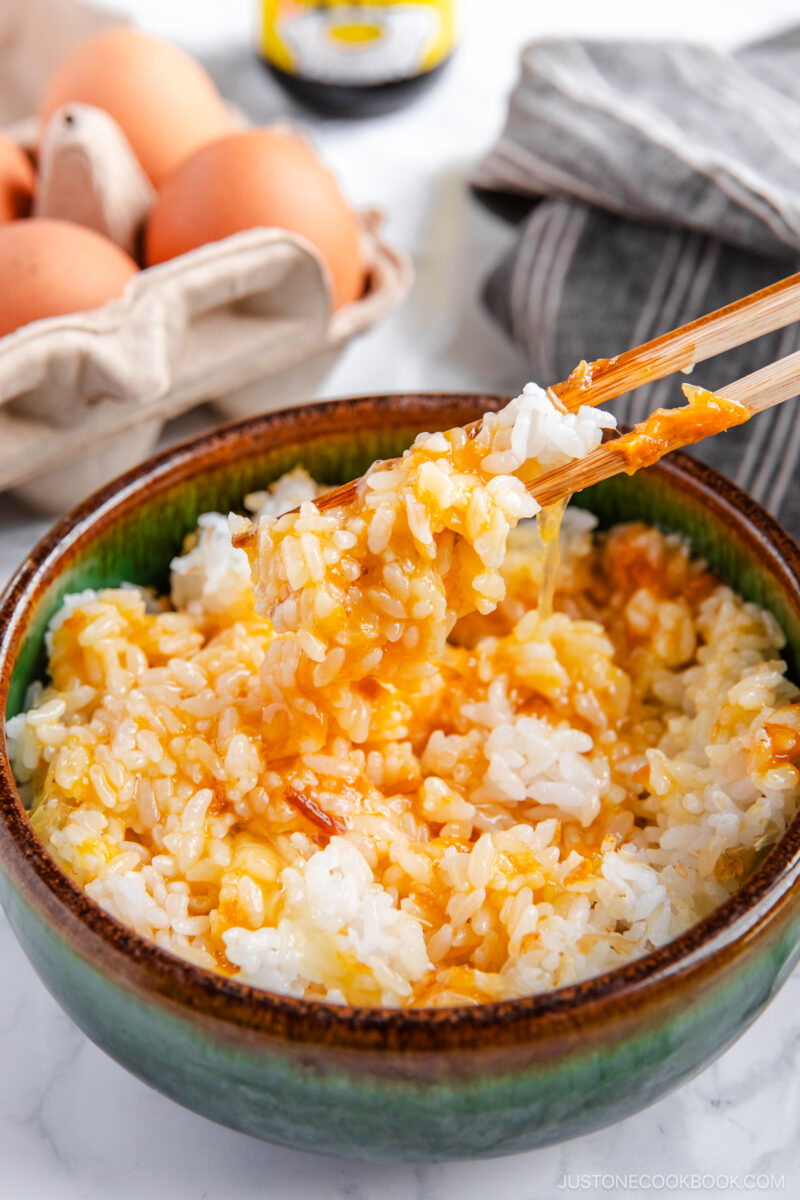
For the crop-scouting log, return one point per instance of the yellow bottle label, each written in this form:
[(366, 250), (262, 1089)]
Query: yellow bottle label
[(345, 43)]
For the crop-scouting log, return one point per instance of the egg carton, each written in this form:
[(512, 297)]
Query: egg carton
[(245, 323)]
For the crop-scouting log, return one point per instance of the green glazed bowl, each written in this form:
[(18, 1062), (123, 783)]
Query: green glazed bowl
[(375, 1083)]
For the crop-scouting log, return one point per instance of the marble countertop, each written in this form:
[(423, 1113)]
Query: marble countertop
[(74, 1125)]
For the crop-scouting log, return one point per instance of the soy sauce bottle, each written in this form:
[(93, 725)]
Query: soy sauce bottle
[(356, 59)]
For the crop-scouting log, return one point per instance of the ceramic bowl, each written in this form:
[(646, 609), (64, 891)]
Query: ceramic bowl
[(375, 1083)]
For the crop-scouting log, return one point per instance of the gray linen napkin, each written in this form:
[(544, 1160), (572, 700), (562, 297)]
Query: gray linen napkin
[(665, 182)]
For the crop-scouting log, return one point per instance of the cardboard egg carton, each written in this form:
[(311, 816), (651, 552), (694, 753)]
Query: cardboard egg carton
[(246, 322)]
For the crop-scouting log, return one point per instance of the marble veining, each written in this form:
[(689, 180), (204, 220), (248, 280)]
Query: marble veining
[(74, 1125)]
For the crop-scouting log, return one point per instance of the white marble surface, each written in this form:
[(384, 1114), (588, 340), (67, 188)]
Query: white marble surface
[(73, 1125)]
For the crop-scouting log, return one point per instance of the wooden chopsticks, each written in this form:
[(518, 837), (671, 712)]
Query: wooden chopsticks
[(668, 429), (761, 312), (607, 378)]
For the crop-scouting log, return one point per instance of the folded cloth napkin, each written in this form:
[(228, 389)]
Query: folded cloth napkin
[(665, 182)]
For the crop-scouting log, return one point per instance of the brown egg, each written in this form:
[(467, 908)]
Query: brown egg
[(16, 181), (256, 178), (164, 102), (54, 267)]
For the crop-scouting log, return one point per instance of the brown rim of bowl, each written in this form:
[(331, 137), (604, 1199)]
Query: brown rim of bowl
[(217, 998)]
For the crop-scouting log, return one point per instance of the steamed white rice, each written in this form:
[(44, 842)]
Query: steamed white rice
[(383, 774)]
